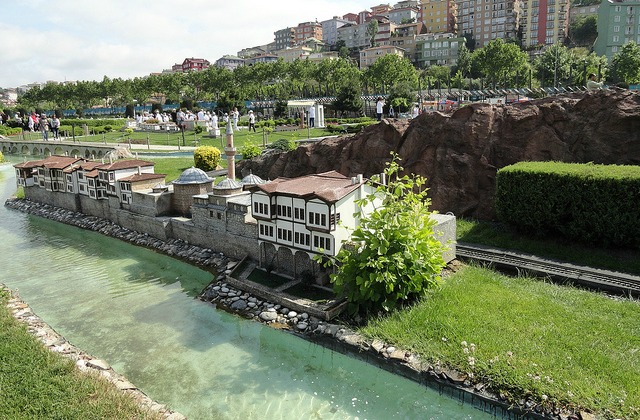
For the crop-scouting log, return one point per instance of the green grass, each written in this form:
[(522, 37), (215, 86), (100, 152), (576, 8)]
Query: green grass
[(531, 338), (240, 137), (36, 383), (502, 236), (172, 167)]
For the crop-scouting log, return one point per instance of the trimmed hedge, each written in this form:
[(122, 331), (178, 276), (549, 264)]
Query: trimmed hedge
[(595, 204), (207, 158)]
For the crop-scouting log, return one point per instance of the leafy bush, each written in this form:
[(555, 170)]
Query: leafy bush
[(283, 144), (1, 157), (206, 158), (198, 129), (250, 151), (393, 255), (8, 131)]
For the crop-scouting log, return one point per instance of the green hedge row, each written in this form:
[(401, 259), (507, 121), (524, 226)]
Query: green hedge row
[(595, 204)]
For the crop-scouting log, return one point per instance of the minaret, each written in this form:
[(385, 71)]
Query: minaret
[(230, 151)]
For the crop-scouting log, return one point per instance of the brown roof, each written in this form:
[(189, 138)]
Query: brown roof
[(328, 186), (142, 177), (125, 164), (59, 162), (30, 164), (86, 165)]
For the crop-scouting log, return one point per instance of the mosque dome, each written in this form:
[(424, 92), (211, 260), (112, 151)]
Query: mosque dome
[(193, 176), (252, 179)]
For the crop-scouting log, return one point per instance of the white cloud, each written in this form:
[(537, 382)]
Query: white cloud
[(86, 40)]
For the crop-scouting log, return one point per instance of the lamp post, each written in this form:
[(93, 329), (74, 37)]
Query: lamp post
[(555, 68)]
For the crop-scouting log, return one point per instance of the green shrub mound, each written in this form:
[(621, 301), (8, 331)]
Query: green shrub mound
[(206, 158), (595, 204), (250, 151), (283, 144)]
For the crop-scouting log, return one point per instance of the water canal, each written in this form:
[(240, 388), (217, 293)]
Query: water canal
[(136, 309)]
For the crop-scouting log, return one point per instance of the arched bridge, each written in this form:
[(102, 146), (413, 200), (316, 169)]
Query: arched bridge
[(39, 148)]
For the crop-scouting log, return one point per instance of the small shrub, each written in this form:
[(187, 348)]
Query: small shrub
[(283, 144), (198, 129), (206, 158), (1, 157), (250, 151)]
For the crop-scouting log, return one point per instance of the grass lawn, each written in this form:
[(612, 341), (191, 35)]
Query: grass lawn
[(240, 137), (530, 338), (36, 383)]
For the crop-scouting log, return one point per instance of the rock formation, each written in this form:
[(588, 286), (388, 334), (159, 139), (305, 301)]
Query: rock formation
[(459, 153)]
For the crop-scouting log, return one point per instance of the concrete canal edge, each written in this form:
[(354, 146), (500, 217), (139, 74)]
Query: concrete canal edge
[(332, 336)]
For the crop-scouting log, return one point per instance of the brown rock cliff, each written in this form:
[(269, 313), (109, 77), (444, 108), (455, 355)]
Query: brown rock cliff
[(459, 153)]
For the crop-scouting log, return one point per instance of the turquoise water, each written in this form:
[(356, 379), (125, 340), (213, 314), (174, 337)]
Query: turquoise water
[(135, 309)]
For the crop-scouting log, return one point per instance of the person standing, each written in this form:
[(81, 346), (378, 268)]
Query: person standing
[(252, 121), (379, 107), (235, 116), (55, 126), (415, 111), (43, 123), (312, 116), (392, 113), (593, 84)]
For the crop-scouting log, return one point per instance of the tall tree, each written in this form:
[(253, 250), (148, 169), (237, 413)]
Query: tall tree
[(500, 62), (372, 31), (625, 64), (583, 30), (390, 69)]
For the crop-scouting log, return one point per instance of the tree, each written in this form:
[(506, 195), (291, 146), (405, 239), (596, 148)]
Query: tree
[(348, 100), (625, 64), (372, 31), (393, 255), (584, 30), (554, 65), (401, 97), (501, 62), (390, 69)]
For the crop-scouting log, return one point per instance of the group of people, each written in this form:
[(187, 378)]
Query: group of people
[(45, 125)]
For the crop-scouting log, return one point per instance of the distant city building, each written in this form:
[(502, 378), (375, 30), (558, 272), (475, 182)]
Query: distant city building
[(577, 10), (230, 62), (307, 30), (292, 54), (354, 36), (618, 24), (194, 64), (544, 22), (351, 17), (381, 10), (284, 38), (486, 21), (405, 37), (369, 56), (438, 49), (264, 58), (385, 29), (330, 29), (404, 12), (257, 50), (439, 16)]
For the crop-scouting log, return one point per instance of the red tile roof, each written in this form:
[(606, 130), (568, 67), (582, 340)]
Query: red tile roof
[(125, 164), (328, 186), (142, 177)]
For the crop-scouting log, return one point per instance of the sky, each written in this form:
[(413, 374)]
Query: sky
[(70, 40)]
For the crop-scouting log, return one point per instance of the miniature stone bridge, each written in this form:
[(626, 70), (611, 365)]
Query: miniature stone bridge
[(39, 148)]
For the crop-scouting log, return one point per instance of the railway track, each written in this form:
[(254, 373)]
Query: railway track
[(594, 278)]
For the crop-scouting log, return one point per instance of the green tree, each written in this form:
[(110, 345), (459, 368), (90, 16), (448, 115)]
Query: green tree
[(500, 62), (625, 64), (348, 100), (393, 255), (390, 69), (583, 30), (554, 65), (401, 97), (206, 158), (372, 31)]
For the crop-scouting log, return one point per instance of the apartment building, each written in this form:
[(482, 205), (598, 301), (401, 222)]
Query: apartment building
[(544, 22), (439, 16), (618, 24), (486, 20)]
